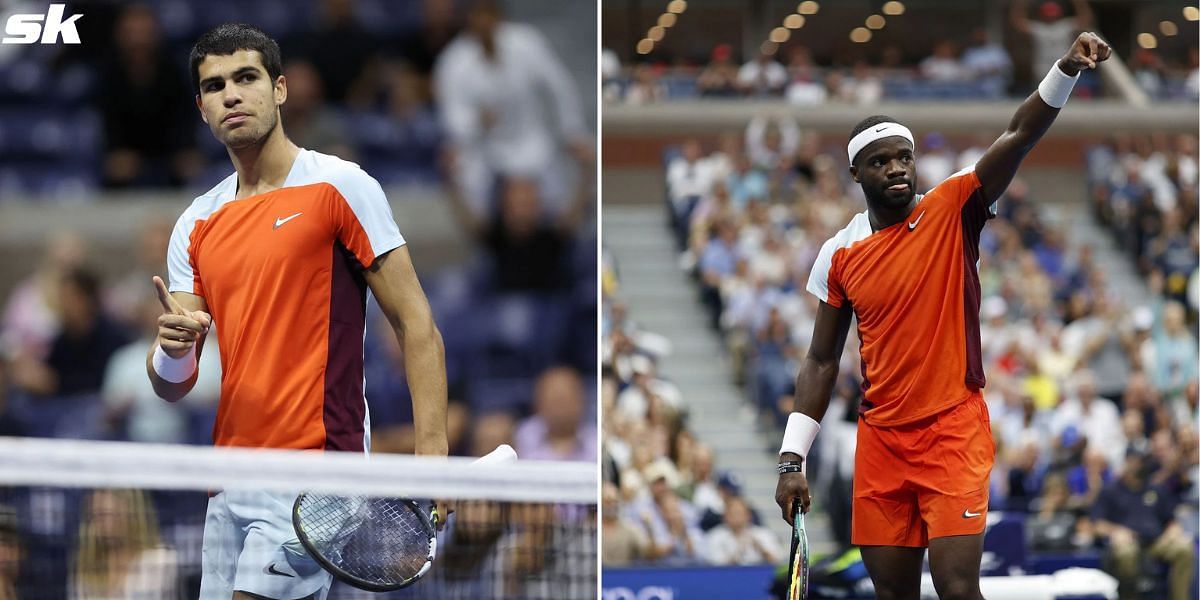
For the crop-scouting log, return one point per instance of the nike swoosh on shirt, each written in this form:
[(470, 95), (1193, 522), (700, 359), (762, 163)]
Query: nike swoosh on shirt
[(280, 221), (273, 571), (968, 514), (913, 225)]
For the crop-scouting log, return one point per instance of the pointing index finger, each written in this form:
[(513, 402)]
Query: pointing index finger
[(168, 301)]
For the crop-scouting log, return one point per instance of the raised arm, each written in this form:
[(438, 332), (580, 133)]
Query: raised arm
[(394, 282), (814, 386), (998, 165), (173, 359), (1083, 15), (1018, 15)]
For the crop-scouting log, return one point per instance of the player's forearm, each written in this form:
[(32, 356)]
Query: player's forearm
[(1031, 121), (814, 386), (168, 390), (425, 367)]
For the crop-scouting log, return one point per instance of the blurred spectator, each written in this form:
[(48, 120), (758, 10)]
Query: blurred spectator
[(1052, 525), (341, 50), (689, 179), (987, 62), (80, 352), (311, 123), (1175, 351), (670, 522), (420, 48), (133, 409), (1093, 340), (147, 108), (119, 553), (1051, 32), (937, 161), (763, 76), (1148, 71), (746, 183), (705, 495), (737, 541), (10, 553), (527, 246), (123, 297), (1138, 521), (1192, 83), (943, 65), (1096, 418), (558, 429), (610, 72), (645, 87), (771, 142), (30, 315), (863, 86), (720, 76), (805, 83), (489, 85), (624, 541)]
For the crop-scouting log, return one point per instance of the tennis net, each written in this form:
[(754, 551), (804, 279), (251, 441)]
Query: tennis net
[(118, 520)]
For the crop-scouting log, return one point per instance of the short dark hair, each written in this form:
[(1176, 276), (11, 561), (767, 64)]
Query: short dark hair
[(870, 121), (227, 38)]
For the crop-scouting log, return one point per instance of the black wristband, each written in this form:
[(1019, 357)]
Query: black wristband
[(791, 466)]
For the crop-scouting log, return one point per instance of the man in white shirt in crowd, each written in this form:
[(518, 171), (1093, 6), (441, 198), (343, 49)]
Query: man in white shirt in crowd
[(1095, 417), (739, 542), (762, 76), (1051, 32), (490, 84), (689, 180)]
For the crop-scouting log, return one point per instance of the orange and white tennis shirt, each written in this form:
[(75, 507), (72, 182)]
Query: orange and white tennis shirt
[(914, 287), (282, 274)]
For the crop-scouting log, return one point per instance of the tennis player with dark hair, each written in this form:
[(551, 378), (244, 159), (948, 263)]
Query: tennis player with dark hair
[(907, 269), (281, 254)]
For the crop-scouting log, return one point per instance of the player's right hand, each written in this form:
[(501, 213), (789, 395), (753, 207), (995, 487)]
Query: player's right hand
[(792, 490), (178, 328)]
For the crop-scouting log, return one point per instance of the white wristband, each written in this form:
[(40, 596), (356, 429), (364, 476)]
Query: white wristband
[(799, 434), (175, 370), (1057, 86)]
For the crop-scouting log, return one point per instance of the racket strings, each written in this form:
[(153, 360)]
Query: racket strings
[(378, 540)]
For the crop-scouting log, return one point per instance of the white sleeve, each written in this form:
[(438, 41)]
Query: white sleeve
[(558, 80), (363, 221), (458, 114), (818, 279), (180, 276)]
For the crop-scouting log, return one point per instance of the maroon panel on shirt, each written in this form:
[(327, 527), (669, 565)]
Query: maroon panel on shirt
[(975, 214), (345, 407)]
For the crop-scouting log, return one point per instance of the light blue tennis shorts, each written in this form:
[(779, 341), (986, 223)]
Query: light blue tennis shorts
[(251, 546)]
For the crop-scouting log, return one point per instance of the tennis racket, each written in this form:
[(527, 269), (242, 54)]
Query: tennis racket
[(374, 544), (798, 565)]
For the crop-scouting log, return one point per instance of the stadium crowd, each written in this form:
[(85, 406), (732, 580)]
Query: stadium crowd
[(370, 83), (1093, 399), (978, 65)]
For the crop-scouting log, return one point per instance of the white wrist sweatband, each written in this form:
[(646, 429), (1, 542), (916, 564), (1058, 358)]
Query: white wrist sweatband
[(175, 370), (799, 434), (1056, 87)]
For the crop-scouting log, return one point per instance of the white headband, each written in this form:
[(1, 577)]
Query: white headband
[(877, 132)]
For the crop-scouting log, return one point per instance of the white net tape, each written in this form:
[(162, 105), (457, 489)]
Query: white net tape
[(169, 467)]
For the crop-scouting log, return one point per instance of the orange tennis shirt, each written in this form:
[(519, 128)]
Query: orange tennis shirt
[(282, 274), (914, 288)]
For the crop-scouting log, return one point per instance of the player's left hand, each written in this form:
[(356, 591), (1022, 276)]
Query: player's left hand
[(444, 509), (1087, 51)]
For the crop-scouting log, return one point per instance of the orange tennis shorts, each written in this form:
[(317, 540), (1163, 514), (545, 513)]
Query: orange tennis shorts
[(925, 479)]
